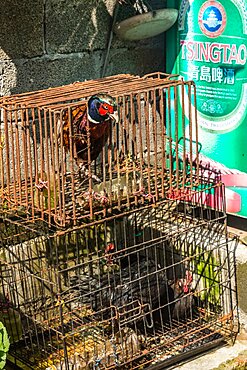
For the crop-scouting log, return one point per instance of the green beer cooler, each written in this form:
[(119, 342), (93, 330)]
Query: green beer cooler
[(209, 46)]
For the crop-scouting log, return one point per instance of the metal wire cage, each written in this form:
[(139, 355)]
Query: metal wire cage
[(146, 157), (142, 289)]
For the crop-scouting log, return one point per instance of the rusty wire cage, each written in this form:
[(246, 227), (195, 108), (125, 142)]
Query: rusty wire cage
[(143, 289), (146, 157)]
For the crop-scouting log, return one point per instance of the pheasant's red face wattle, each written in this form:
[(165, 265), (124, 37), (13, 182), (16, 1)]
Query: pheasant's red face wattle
[(105, 108)]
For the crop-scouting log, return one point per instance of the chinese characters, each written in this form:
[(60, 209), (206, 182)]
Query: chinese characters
[(212, 74)]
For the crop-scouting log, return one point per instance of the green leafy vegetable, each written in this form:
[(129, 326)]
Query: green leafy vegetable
[(4, 345)]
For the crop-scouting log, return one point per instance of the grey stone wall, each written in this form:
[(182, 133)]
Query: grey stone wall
[(46, 43)]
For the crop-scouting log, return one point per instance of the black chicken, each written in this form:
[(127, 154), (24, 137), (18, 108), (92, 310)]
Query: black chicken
[(136, 287), (94, 118), (181, 298), (136, 292)]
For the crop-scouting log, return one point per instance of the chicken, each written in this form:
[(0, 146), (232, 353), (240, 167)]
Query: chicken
[(183, 299), (139, 292), (96, 119), (130, 293), (179, 303)]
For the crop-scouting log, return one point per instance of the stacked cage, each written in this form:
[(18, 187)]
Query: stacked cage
[(146, 156), (127, 264)]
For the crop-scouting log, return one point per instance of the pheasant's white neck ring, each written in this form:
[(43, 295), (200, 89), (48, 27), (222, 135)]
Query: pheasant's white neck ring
[(93, 121), (90, 119)]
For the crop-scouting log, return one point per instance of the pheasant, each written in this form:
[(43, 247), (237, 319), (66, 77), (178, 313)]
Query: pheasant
[(94, 119)]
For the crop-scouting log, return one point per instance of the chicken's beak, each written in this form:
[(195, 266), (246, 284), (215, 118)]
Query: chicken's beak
[(114, 116)]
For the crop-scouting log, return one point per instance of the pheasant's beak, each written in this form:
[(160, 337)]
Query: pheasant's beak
[(114, 116)]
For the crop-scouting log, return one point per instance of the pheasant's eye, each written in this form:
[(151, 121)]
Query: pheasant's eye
[(105, 109)]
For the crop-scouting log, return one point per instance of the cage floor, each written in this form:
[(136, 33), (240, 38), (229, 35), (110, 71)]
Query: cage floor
[(117, 193), (168, 346)]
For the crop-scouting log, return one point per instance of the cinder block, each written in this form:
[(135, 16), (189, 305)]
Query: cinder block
[(8, 75), (76, 26), (21, 31), (141, 60), (53, 71), (54, 42)]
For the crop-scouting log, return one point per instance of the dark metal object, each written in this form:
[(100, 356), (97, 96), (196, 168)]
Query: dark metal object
[(50, 281), (185, 356), (110, 37)]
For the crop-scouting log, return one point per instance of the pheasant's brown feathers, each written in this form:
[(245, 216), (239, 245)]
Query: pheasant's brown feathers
[(78, 114), (99, 133)]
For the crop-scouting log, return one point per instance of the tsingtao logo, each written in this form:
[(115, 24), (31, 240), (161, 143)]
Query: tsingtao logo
[(212, 18)]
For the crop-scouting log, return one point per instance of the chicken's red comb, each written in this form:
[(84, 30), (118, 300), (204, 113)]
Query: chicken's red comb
[(110, 247)]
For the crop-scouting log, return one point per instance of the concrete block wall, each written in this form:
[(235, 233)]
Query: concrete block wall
[(46, 43)]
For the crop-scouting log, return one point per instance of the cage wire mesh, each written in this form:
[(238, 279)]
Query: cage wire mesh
[(141, 289), (127, 264), (146, 157)]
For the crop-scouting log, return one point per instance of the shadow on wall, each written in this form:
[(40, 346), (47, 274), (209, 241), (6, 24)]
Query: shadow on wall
[(48, 43), (51, 42)]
